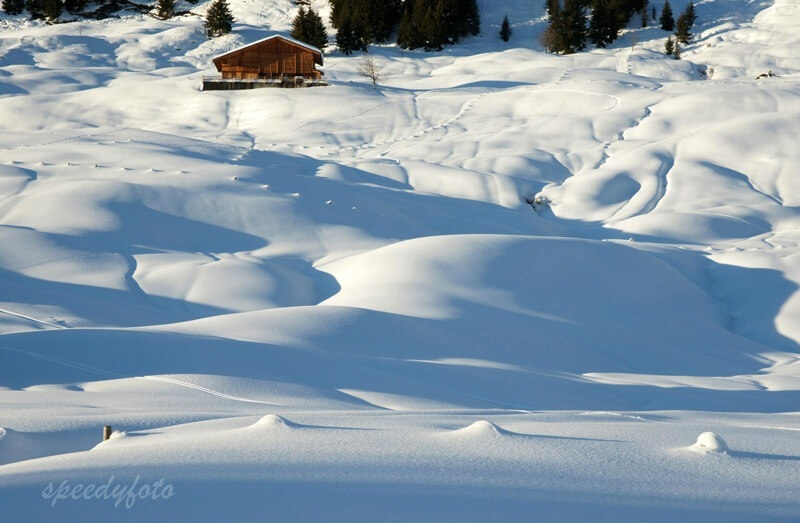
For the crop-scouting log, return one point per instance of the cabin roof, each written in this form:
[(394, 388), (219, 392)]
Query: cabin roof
[(289, 39)]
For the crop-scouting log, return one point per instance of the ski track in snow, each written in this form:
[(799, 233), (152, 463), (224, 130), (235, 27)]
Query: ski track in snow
[(32, 319), (206, 390)]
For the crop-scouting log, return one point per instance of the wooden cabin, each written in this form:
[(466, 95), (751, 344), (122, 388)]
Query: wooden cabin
[(276, 61)]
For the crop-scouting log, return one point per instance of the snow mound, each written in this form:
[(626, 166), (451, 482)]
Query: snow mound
[(482, 429), (115, 435), (709, 442), (273, 422)]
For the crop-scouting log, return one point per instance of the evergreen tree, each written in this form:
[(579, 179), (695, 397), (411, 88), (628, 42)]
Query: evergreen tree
[(351, 35), (35, 8), (553, 8), (166, 9), (653, 13), (574, 20), (667, 21), (452, 19), (334, 16), (300, 25), (428, 18), (669, 46), (382, 17), (377, 18), (473, 17), (315, 30), (345, 39), (51, 9), (75, 6), (682, 33), (459, 18), (690, 14), (408, 35), (218, 19), (676, 53), (431, 24), (505, 30), (603, 25), (13, 7), (643, 16)]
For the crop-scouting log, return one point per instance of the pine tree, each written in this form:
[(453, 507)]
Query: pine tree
[(669, 46), (382, 17), (574, 20), (334, 16), (351, 35), (567, 32), (300, 26), (35, 8), (553, 8), (690, 14), (74, 6), (315, 30), (431, 24), (376, 18), (218, 19), (653, 13), (452, 17), (682, 33), (51, 9), (667, 21), (473, 17), (603, 25), (676, 53), (345, 40), (13, 7), (428, 18), (407, 34), (643, 15), (166, 9), (505, 30)]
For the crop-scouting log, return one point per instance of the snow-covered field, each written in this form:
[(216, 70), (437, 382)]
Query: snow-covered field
[(335, 304)]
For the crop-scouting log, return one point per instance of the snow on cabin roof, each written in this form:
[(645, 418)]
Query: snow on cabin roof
[(282, 37)]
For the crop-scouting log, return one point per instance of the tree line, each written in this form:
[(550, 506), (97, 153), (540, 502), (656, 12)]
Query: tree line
[(573, 24), (425, 24), (52, 10), (682, 27)]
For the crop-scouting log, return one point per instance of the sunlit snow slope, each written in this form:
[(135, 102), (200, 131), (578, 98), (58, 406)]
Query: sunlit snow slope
[(336, 303)]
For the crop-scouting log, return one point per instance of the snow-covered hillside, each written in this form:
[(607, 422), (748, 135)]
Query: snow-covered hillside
[(336, 303)]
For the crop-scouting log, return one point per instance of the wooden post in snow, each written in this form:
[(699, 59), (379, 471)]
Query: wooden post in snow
[(106, 432)]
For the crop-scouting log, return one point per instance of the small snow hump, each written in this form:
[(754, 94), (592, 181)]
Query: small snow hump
[(482, 429), (708, 442), (273, 422)]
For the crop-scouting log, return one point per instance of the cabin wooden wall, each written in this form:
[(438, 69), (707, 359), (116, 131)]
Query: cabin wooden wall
[(269, 59)]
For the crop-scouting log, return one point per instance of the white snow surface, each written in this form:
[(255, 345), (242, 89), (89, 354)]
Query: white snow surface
[(335, 304)]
